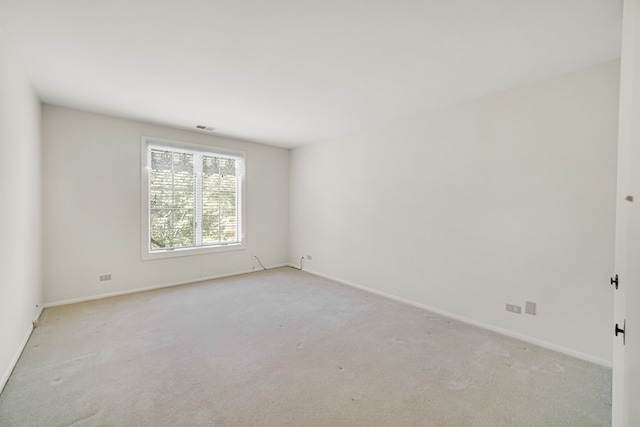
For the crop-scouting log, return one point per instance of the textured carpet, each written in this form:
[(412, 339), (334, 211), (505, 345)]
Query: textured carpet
[(286, 348)]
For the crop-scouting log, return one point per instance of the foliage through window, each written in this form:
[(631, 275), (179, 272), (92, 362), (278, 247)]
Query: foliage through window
[(194, 197)]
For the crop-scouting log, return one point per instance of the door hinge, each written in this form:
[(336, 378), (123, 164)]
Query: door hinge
[(618, 330), (614, 281)]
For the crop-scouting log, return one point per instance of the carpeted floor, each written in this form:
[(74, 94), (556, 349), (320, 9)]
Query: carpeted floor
[(286, 348)]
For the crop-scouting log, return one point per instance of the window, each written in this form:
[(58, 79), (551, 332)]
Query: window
[(192, 197)]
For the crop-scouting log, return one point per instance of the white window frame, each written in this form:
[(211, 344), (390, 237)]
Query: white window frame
[(146, 144)]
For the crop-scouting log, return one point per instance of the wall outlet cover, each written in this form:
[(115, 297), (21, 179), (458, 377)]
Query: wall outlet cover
[(530, 308), (514, 308)]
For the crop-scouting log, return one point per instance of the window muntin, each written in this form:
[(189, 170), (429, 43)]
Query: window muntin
[(193, 198)]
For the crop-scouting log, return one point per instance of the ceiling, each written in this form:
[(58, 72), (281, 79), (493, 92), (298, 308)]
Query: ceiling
[(294, 72)]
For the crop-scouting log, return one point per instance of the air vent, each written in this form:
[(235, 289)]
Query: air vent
[(208, 129)]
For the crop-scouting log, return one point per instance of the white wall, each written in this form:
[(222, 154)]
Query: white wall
[(20, 218), (507, 198), (92, 207)]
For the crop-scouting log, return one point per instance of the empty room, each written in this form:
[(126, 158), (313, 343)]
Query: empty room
[(355, 213)]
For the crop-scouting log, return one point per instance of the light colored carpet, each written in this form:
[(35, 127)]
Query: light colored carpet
[(286, 348)]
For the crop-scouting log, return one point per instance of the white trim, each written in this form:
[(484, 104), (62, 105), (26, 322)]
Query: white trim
[(193, 251), (525, 338), (14, 361), (191, 146), (154, 287), (38, 314)]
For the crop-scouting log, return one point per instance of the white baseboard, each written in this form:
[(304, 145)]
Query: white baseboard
[(525, 338), (38, 314), (151, 288), (14, 361), (23, 344), (506, 332)]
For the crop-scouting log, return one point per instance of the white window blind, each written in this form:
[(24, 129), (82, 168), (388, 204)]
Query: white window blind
[(172, 200), (194, 197)]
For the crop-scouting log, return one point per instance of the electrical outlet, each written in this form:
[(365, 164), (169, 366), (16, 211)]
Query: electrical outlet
[(105, 277), (514, 308), (309, 257), (530, 308)]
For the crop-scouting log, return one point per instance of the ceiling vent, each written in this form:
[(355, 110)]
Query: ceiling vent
[(208, 129)]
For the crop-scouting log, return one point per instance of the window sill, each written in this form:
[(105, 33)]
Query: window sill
[(172, 253)]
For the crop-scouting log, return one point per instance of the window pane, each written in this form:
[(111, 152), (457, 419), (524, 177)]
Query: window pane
[(227, 167), (228, 226), (228, 183), (171, 228), (219, 207), (183, 228), (160, 228), (189, 186), (172, 200), (161, 197), (161, 160), (210, 198), (210, 229)]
